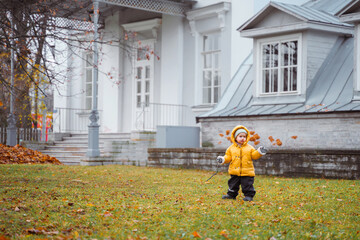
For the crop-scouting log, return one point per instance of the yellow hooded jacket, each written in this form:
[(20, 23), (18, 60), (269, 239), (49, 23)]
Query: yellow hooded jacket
[(241, 157)]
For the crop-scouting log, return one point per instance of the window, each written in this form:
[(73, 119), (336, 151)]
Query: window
[(279, 67), (211, 69), (88, 80)]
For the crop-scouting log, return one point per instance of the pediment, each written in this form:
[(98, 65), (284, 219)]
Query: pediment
[(274, 18)]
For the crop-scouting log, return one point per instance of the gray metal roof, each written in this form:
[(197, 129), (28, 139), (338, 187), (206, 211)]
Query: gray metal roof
[(311, 14), (333, 6), (331, 90)]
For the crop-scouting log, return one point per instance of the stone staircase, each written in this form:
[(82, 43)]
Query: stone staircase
[(72, 149)]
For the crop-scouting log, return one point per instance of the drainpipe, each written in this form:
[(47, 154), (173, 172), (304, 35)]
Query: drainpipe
[(93, 130), (11, 129)]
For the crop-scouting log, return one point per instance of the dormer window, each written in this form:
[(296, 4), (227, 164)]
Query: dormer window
[(279, 70)]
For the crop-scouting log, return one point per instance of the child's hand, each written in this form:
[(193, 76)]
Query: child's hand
[(220, 159), (262, 150)]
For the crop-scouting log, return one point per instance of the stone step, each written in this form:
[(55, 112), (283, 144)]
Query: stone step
[(72, 149)]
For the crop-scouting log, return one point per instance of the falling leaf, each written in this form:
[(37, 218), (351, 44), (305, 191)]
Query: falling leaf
[(219, 142), (252, 139), (278, 142), (257, 142), (294, 137), (196, 234), (252, 132), (271, 139), (1, 104), (221, 135), (256, 136), (227, 132)]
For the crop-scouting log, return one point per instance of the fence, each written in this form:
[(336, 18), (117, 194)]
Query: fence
[(22, 134), (74, 120), (151, 115)]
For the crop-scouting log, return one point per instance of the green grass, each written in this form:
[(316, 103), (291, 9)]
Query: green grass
[(127, 202)]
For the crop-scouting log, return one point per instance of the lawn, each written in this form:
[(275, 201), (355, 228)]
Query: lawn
[(128, 202)]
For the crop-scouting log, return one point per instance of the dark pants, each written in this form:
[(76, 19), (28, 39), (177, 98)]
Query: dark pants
[(246, 183)]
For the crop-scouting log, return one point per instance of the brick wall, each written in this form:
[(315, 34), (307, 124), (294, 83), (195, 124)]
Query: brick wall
[(312, 131), (289, 163)]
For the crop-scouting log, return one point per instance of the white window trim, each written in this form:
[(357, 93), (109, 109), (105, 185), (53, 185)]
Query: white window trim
[(213, 69), (259, 44), (85, 69)]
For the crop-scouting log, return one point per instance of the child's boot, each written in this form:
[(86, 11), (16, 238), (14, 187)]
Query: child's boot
[(228, 197)]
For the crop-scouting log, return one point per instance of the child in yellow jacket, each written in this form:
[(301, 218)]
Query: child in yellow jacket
[(240, 155)]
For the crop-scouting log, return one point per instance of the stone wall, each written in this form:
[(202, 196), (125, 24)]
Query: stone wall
[(312, 131), (289, 163)]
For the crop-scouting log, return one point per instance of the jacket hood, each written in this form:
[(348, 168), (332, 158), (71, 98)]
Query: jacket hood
[(233, 133)]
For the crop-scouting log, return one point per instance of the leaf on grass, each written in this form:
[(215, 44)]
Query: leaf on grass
[(224, 233), (196, 234)]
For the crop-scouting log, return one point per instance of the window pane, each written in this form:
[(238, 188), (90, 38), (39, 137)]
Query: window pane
[(206, 43), (147, 100), (147, 86), (274, 55), (138, 101), (88, 75), (293, 76), (216, 78), (207, 79), (88, 90), (88, 103), (216, 94), (207, 61), (216, 42), (138, 74), (274, 80), (207, 95), (289, 53), (147, 72), (141, 54), (285, 79), (266, 81), (138, 87), (266, 56), (216, 60), (89, 60)]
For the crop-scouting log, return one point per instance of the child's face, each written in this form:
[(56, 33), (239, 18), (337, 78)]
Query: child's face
[(241, 138)]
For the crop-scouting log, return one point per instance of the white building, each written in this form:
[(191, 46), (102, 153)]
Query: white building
[(160, 63)]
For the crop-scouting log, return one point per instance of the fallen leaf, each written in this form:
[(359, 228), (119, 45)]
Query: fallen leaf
[(196, 234), (224, 233)]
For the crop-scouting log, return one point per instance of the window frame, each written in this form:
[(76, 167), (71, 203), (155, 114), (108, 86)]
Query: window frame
[(259, 73), (88, 67), (212, 69)]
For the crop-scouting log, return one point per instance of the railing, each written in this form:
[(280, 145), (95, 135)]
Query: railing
[(72, 120), (151, 115), (22, 134)]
